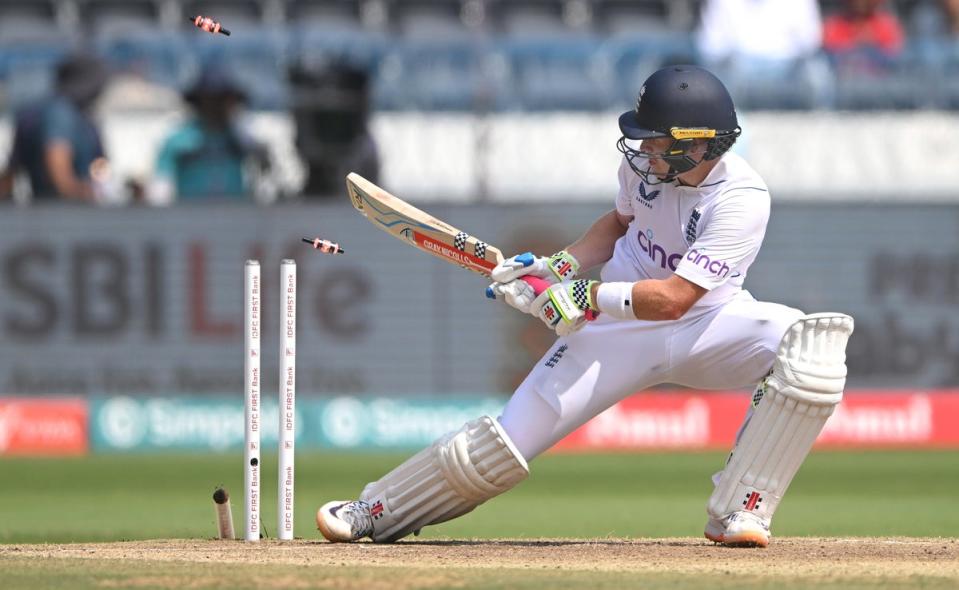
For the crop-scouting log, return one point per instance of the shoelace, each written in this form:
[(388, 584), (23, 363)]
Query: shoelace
[(745, 516), (357, 514)]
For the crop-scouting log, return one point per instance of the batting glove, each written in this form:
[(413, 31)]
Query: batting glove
[(566, 307), (518, 294), (559, 267)]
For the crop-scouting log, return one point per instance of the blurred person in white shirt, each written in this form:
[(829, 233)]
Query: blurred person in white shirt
[(756, 43)]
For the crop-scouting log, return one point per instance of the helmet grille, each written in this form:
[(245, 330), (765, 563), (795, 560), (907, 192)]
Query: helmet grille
[(720, 144)]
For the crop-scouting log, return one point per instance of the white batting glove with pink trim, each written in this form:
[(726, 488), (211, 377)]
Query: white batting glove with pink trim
[(561, 266), (520, 294)]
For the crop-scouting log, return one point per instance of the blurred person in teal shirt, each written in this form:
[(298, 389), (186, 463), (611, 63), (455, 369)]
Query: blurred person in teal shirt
[(209, 155)]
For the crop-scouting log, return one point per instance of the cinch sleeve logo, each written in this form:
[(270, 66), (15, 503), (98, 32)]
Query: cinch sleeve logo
[(716, 267), (656, 252)]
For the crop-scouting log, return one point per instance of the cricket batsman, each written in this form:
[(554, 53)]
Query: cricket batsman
[(689, 220)]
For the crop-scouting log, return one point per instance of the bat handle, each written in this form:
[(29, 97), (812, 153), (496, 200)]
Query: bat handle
[(539, 285)]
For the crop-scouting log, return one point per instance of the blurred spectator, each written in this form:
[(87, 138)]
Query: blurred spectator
[(331, 116), (56, 141), (937, 19), (950, 10), (936, 29), (863, 38), (209, 155), (6, 182), (763, 45)]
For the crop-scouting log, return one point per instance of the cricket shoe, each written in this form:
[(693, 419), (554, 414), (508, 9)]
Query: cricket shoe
[(345, 521), (739, 529)]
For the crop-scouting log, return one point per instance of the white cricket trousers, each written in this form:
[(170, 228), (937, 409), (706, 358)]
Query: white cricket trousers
[(729, 346)]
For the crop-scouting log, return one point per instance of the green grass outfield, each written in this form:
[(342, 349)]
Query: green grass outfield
[(123, 497)]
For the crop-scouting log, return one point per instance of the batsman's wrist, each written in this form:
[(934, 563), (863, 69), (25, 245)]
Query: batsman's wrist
[(581, 292), (563, 265), (616, 300)]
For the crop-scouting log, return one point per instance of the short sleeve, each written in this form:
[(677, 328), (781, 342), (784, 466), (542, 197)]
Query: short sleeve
[(59, 123), (623, 201), (732, 233)]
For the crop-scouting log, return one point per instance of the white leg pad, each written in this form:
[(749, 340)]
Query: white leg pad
[(806, 384), (451, 477)]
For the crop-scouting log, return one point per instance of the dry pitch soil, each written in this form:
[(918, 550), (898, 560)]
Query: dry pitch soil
[(791, 558)]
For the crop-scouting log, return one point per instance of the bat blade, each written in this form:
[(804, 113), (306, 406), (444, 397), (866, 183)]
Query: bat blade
[(427, 233), (420, 229)]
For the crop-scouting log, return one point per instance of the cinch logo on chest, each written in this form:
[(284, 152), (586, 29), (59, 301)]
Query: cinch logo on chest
[(656, 252), (647, 198)]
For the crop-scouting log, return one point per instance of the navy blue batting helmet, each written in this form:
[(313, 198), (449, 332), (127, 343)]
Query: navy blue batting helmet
[(685, 103)]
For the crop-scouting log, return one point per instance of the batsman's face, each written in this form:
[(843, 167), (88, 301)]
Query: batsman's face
[(653, 148), (656, 147)]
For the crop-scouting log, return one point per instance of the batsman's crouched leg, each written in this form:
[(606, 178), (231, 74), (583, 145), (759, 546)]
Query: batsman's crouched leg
[(451, 477), (805, 386)]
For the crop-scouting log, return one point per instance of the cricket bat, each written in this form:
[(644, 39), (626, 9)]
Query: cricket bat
[(425, 232)]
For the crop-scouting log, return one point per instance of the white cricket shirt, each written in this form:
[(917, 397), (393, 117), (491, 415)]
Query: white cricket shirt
[(709, 234)]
